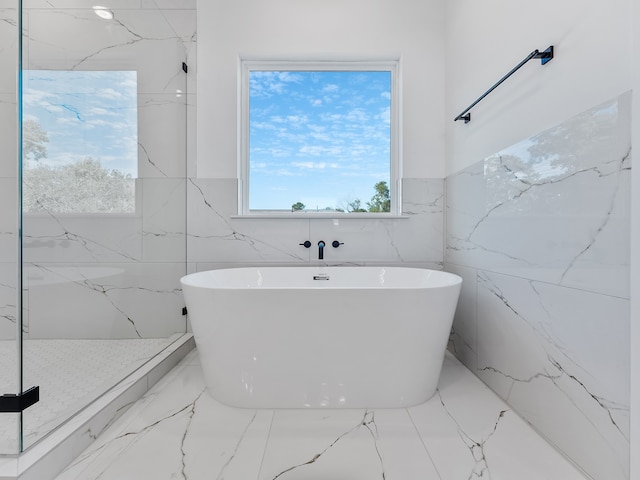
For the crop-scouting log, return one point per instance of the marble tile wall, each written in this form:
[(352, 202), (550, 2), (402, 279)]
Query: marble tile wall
[(218, 238), (540, 234), (117, 276)]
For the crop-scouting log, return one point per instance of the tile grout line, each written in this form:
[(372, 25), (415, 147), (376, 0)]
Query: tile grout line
[(422, 442), (266, 444)]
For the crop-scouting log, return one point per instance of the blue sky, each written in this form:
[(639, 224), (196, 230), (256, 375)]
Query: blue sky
[(321, 138), (85, 114)]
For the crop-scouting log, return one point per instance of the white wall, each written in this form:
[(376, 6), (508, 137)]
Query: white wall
[(412, 30), (485, 39)]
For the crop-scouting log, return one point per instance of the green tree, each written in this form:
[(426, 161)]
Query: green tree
[(355, 206), (298, 206), (33, 140), (381, 200), (83, 186)]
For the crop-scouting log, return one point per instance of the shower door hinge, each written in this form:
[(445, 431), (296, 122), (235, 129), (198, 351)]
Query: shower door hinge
[(185, 68), (184, 311), (12, 403)]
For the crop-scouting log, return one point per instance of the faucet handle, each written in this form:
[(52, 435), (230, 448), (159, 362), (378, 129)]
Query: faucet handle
[(336, 243), (306, 244)]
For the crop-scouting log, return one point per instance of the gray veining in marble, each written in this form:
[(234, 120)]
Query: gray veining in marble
[(540, 234), (464, 431)]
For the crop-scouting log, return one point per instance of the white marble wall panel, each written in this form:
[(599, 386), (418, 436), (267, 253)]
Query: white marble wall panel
[(214, 236), (169, 4), (191, 134), (181, 19), (554, 207), (560, 357), (540, 234), (131, 41), (164, 203), (54, 4), (114, 4), (463, 338), (8, 47), (8, 134), (423, 203), (183, 23), (82, 238), (162, 122), (416, 238), (127, 300), (8, 219), (217, 235), (191, 48), (8, 300)]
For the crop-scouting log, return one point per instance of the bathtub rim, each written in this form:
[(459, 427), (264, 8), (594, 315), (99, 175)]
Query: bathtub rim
[(203, 278)]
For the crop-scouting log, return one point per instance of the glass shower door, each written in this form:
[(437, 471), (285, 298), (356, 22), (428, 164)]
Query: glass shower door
[(104, 197), (9, 215)]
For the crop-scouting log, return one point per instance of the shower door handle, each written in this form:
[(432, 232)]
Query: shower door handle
[(12, 403)]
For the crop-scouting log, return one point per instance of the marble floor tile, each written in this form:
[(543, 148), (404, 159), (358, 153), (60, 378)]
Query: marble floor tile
[(471, 434), (178, 431)]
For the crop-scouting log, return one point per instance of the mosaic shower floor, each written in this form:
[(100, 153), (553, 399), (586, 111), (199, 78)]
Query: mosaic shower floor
[(177, 430), (70, 373)]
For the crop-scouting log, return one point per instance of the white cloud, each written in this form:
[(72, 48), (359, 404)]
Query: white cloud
[(99, 122), (287, 173), (109, 93), (357, 115), (318, 150), (103, 112), (315, 165), (267, 83), (330, 88), (297, 119), (263, 125), (385, 115)]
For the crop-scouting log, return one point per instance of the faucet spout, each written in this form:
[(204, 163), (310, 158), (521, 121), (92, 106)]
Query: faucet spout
[(321, 250)]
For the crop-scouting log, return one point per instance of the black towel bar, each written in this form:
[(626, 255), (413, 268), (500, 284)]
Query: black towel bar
[(545, 56)]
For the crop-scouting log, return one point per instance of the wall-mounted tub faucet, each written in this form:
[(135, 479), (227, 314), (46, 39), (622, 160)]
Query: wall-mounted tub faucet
[(321, 249)]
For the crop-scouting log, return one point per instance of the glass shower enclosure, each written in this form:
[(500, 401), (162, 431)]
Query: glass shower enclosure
[(93, 198), (10, 345)]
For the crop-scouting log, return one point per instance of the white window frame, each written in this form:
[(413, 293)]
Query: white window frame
[(390, 65)]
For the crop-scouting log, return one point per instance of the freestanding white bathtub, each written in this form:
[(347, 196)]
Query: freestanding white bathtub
[(296, 337)]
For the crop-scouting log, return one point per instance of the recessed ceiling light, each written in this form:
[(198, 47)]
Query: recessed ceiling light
[(103, 12)]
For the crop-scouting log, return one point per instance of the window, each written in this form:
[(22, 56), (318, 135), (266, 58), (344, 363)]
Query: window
[(80, 141), (319, 137)]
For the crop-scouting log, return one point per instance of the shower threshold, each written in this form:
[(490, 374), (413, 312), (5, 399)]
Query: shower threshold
[(53, 434)]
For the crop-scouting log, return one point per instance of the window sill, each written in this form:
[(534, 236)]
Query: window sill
[(323, 216)]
